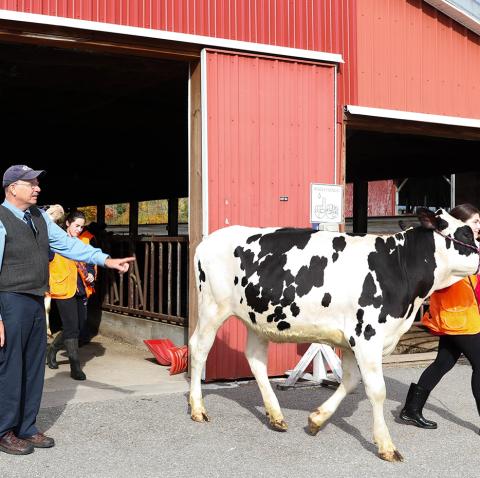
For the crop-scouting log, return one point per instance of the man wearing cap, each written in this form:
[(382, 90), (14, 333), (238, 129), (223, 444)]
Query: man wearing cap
[(26, 235)]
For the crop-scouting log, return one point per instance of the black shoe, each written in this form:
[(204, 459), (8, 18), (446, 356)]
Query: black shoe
[(412, 411), (52, 350), (71, 346)]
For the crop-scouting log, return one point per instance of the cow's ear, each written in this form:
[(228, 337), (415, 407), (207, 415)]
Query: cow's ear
[(427, 218)]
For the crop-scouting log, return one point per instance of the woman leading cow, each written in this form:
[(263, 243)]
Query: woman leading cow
[(454, 315)]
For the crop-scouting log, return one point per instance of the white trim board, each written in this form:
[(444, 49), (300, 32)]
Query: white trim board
[(171, 36), (411, 116)]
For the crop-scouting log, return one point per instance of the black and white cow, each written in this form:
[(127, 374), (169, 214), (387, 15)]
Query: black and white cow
[(356, 292)]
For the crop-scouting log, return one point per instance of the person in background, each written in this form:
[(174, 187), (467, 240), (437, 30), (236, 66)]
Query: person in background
[(92, 234), (26, 236), (71, 284), (453, 315), (56, 213)]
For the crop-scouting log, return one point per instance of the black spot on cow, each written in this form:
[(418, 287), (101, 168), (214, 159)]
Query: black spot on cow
[(339, 243), (256, 300), (274, 282), (252, 317), (288, 296), (448, 242), (369, 290), (390, 262), (351, 341), (235, 281), (399, 236), (277, 315), (283, 325), (253, 238), (311, 276), (201, 275), (369, 332), (464, 234), (390, 243), (327, 298), (441, 224), (241, 300), (382, 318), (295, 309), (358, 328)]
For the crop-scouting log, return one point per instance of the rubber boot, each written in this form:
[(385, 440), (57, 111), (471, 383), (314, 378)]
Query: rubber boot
[(412, 411), (52, 350), (71, 346)]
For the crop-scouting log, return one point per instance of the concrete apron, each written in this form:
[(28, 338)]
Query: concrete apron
[(114, 371)]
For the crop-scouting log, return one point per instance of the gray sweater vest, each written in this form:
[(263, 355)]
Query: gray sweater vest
[(25, 258)]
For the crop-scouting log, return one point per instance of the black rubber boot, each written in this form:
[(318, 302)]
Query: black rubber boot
[(412, 411), (72, 350), (53, 348)]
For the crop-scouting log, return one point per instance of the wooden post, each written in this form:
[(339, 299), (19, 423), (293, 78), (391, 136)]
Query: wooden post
[(360, 206), (173, 217), (133, 225), (195, 193), (100, 213)]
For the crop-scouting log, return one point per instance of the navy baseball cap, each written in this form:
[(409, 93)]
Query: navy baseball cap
[(20, 171)]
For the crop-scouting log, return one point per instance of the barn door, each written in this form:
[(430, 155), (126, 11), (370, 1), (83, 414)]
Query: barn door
[(269, 131)]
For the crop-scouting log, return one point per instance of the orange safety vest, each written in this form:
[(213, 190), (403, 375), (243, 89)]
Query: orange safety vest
[(63, 277), (89, 289), (86, 235), (454, 310)]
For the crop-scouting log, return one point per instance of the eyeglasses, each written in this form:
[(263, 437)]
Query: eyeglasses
[(31, 185)]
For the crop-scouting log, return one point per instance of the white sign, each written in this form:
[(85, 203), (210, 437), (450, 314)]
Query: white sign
[(326, 203)]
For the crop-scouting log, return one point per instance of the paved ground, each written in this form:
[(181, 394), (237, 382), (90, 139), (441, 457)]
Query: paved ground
[(130, 420)]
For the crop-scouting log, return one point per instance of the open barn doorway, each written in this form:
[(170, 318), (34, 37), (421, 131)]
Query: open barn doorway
[(393, 167), (109, 129)]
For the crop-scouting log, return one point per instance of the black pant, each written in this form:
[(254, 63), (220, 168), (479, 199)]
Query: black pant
[(22, 362), (450, 348), (73, 313)]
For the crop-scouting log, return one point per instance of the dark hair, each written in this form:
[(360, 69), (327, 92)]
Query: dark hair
[(74, 215), (464, 212)]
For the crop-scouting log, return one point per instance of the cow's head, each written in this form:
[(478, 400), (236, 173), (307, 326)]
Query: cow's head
[(453, 239)]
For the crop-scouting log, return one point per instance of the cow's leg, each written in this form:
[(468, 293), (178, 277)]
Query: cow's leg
[(370, 364), (350, 379), (210, 318), (257, 356)]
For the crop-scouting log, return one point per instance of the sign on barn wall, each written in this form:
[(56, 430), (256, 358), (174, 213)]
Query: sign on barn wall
[(326, 203)]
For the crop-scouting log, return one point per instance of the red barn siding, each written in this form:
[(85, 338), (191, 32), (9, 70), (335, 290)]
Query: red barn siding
[(327, 26), (270, 130), (411, 57), (381, 198)]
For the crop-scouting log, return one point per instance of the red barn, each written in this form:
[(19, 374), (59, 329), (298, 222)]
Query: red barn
[(240, 105)]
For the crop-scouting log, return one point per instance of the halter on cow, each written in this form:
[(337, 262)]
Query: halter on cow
[(357, 292)]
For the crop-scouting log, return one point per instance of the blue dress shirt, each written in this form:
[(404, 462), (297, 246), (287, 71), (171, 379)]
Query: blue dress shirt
[(60, 242)]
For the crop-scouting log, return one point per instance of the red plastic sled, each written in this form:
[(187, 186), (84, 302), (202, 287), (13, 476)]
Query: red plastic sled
[(159, 349)]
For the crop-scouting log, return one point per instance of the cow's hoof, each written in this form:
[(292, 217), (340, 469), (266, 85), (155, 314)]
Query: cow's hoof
[(392, 456), (313, 428), (200, 417), (279, 425)]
